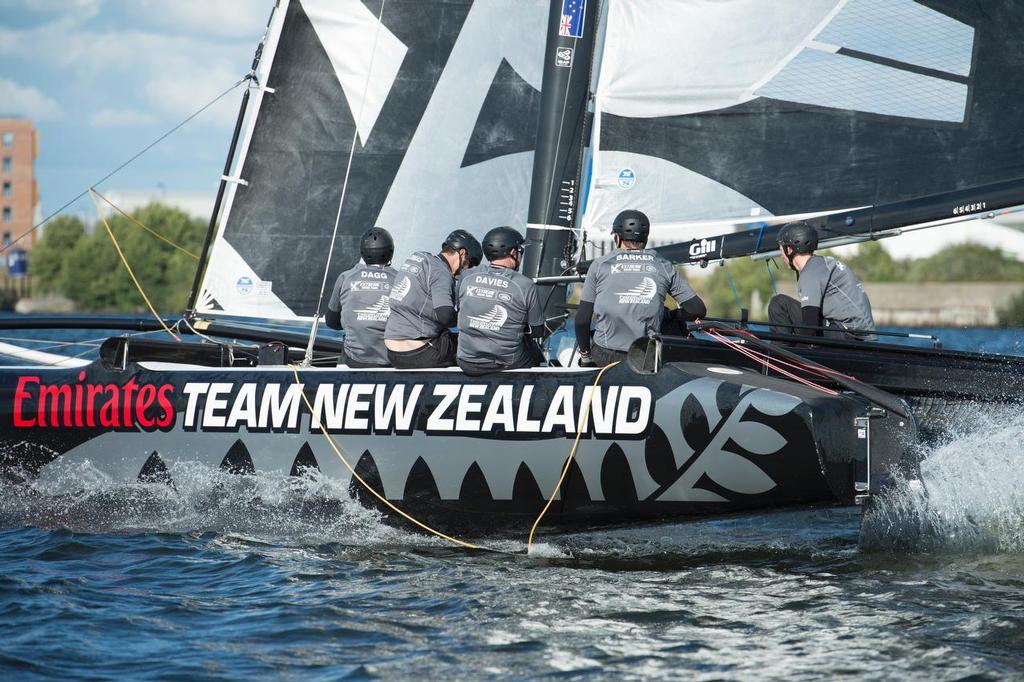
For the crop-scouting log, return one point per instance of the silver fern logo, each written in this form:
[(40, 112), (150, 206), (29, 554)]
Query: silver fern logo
[(642, 293), (401, 289), (491, 321), (378, 312)]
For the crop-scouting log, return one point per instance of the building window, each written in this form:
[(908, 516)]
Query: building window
[(7, 238), (8, 139), (7, 164), (7, 214), (7, 190)]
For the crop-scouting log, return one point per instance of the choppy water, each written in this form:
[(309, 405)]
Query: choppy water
[(227, 577)]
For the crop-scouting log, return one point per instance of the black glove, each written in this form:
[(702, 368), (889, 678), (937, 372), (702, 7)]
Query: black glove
[(586, 360)]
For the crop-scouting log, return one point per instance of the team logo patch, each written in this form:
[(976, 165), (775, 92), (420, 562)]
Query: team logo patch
[(480, 292), (491, 321), (362, 285), (378, 312), (563, 57), (642, 293), (619, 268), (401, 289)]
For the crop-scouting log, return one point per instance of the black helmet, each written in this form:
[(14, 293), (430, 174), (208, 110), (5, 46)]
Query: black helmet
[(632, 226), (501, 241), (476, 253), (460, 239), (377, 247), (799, 235)]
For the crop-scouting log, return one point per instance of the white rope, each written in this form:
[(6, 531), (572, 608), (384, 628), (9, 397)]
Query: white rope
[(344, 186)]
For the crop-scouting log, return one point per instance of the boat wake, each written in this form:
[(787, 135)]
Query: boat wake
[(316, 510), (971, 501), (295, 510), (970, 498)]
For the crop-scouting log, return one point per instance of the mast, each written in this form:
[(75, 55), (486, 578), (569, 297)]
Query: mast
[(554, 191), (211, 228)]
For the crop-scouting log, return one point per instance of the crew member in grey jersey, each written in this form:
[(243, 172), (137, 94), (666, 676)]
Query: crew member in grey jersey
[(423, 305), (624, 294), (832, 299), (500, 315), (359, 301)]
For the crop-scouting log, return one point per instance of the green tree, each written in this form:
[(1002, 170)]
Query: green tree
[(1012, 315), (966, 263), (46, 259), (95, 279), (747, 276), (872, 263)]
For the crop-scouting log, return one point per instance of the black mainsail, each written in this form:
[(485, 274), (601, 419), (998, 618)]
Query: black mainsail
[(434, 101)]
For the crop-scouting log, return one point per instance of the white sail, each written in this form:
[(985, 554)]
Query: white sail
[(740, 109)]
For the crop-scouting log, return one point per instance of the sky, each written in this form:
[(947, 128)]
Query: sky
[(101, 79)]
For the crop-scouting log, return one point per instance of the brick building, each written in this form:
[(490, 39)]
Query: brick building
[(19, 197)]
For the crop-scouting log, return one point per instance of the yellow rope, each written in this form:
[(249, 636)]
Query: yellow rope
[(379, 496), (462, 543), (147, 229), (572, 454), (124, 261)]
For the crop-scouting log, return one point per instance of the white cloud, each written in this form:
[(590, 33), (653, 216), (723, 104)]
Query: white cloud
[(234, 18), (86, 8), (27, 101), (174, 74), (122, 117)]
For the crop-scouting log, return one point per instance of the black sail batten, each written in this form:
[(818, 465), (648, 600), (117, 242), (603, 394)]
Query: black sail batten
[(870, 222), (554, 194)]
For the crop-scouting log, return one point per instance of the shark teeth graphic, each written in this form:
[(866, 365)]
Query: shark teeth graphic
[(402, 288), (491, 320), (646, 289)]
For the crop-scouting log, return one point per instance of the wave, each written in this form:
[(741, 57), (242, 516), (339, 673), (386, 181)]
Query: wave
[(295, 510), (970, 495)]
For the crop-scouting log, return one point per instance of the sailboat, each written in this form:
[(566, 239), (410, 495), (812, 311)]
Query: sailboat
[(554, 114)]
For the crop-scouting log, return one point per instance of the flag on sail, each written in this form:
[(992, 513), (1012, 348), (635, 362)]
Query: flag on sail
[(572, 18)]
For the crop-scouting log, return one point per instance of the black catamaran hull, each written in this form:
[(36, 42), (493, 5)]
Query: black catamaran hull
[(486, 453), (935, 382)]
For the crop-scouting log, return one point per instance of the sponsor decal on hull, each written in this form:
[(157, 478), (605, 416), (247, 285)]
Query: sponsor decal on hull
[(129, 406), (515, 410), (443, 409)]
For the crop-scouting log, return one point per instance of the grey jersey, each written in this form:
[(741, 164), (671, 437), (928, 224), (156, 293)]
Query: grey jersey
[(496, 307), (828, 284), (424, 283), (361, 296), (628, 291)]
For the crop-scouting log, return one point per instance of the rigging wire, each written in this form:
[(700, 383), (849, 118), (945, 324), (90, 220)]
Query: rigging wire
[(768, 265), (124, 261), (344, 185), (147, 229), (114, 172), (732, 285)]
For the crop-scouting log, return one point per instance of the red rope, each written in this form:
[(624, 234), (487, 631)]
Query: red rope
[(824, 372), (766, 361)]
